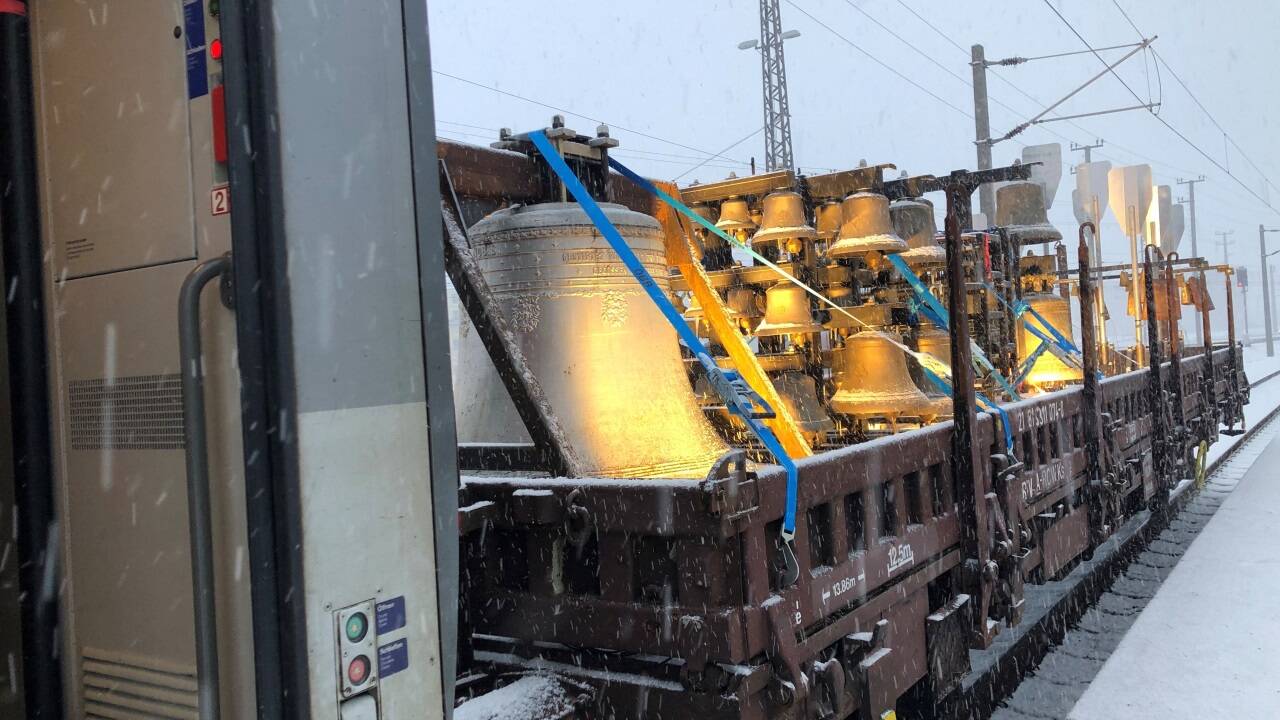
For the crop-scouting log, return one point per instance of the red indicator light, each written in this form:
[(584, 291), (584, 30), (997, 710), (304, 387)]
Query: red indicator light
[(358, 670), (215, 49), (218, 105)]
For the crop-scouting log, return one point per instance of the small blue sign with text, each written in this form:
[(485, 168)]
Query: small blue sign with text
[(390, 615), (392, 658)]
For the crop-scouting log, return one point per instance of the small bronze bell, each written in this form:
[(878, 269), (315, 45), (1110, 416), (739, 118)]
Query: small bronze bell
[(787, 312), (706, 212), (913, 220), (829, 218), (1021, 212), (735, 218), (783, 220), (743, 302), (711, 242), (866, 228), (741, 307)]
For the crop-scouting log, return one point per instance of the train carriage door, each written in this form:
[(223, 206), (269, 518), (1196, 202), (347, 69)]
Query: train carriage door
[(332, 575), (345, 235), (130, 177)]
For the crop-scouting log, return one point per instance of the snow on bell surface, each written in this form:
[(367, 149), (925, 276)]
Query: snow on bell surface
[(867, 228), (1021, 211), (913, 220)]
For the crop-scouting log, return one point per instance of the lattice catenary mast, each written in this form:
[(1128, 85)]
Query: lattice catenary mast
[(773, 71)]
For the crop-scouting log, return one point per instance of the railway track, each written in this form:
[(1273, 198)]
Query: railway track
[(1007, 681)]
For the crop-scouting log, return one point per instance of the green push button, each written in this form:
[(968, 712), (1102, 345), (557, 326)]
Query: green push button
[(357, 627)]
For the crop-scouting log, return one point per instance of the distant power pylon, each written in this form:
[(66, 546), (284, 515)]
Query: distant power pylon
[(773, 72)]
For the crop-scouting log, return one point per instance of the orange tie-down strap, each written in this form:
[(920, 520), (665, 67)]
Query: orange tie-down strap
[(676, 236)]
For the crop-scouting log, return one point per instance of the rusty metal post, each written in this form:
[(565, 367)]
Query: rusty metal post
[(976, 545), (1233, 355), (1205, 323), (1092, 412), (1155, 388), (1209, 383), (1172, 307), (1149, 309), (1231, 311), (1060, 258), (1172, 304)]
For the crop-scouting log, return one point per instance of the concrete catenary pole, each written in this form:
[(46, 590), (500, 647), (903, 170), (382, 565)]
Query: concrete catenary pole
[(1266, 289), (982, 131), (1195, 252)]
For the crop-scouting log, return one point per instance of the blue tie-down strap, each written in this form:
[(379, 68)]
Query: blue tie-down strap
[(1025, 368), (738, 397), (1063, 341), (1056, 343), (937, 312), (741, 400), (989, 407), (934, 310)]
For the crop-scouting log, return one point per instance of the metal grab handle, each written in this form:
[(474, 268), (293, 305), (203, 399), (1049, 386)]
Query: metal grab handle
[(198, 503)]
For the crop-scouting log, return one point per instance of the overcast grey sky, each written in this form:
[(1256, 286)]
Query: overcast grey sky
[(671, 70)]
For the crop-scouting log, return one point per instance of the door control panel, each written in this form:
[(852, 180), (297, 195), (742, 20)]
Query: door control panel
[(357, 649)]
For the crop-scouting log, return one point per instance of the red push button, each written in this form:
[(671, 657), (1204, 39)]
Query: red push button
[(358, 670)]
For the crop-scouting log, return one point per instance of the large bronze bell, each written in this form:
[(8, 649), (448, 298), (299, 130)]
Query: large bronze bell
[(799, 392), (913, 220), (783, 220), (607, 360), (1021, 212), (872, 379), (735, 218), (787, 312), (828, 219), (866, 227), (1048, 368)]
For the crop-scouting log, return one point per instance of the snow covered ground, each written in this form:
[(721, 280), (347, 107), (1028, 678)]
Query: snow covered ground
[(1257, 364), (1205, 645)]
